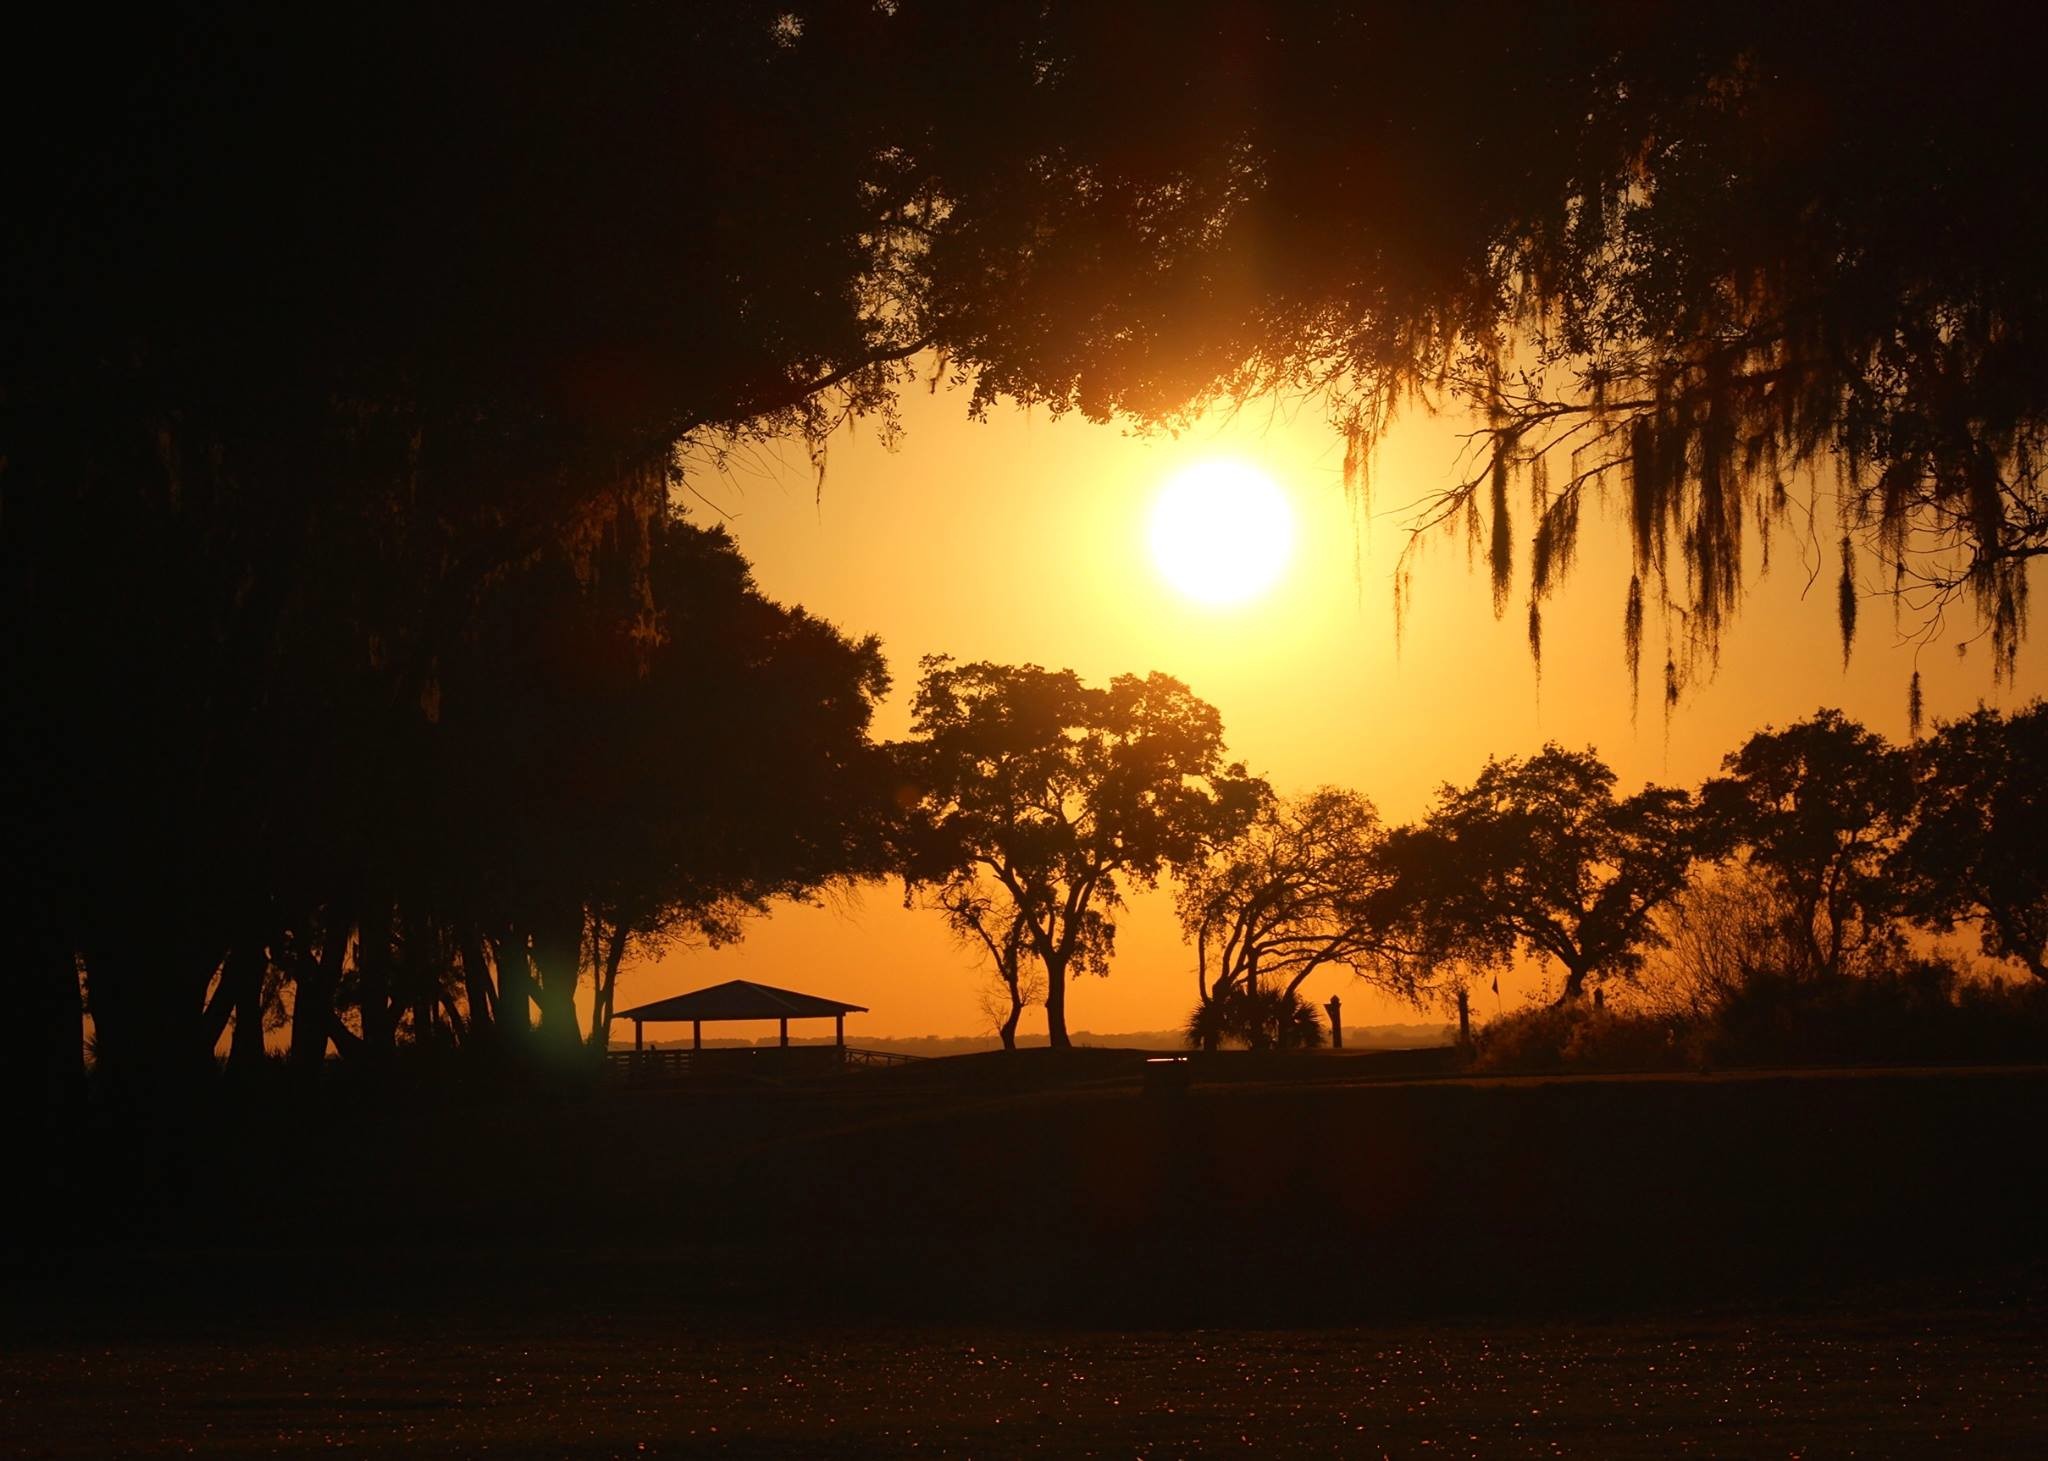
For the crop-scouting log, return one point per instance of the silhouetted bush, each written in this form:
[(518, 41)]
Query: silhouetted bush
[(1580, 1037), (1917, 1012), (1920, 1010), (1257, 1019)]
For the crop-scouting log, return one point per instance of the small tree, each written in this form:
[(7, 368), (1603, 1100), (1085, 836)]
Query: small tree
[(1303, 888), (1816, 807), (1975, 848), (988, 922), (1539, 854), (1725, 931), (1059, 794)]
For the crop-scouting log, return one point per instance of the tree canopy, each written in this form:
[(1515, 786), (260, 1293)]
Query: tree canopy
[(1815, 807), (1704, 257), (1975, 845), (1303, 887), (1540, 854), (1059, 795)]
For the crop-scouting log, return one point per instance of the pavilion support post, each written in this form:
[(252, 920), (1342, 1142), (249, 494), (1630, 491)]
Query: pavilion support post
[(638, 1042), (696, 1034), (785, 1031), (839, 1030)]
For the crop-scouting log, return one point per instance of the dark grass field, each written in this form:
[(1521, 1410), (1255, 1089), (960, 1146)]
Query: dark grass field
[(1037, 1257), (1916, 1381)]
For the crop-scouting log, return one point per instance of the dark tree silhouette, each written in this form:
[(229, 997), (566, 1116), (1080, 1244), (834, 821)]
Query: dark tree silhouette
[(1302, 888), (1816, 806), (1061, 794), (1975, 849), (992, 924), (1540, 854)]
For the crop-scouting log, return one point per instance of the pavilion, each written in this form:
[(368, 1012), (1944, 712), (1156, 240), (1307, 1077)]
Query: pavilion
[(739, 999)]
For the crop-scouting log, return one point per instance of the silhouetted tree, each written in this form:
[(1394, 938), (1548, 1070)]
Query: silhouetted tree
[(991, 923), (1978, 846), (1728, 929), (328, 338), (1816, 807), (1302, 888), (1540, 854), (1060, 794)]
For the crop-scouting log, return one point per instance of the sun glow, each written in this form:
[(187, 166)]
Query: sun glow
[(1222, 532)]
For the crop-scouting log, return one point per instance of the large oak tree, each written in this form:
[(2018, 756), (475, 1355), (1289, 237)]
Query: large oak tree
[(1061, 795)]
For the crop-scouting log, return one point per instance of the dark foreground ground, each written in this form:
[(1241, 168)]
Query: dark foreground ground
[(1875, 1379), (1008, 1258)]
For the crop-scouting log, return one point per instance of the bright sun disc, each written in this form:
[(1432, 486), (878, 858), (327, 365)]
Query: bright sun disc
[(1221, 532)]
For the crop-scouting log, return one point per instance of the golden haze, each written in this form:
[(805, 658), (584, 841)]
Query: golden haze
[(1023, 538)]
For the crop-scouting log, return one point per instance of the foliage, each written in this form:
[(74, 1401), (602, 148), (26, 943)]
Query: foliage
[(1703, 261), (1814, 807), (1729, 926), (1061, 794), (1975, 849), (1912, 1011), (1302, 888), (1578, 1037), (1258, 1017), (990, 924), (585, 770), (1539, 854)]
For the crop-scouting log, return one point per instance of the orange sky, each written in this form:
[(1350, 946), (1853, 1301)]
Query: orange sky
[(1023, 539)]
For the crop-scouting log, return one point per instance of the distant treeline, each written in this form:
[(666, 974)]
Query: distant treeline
[(1821, 859)]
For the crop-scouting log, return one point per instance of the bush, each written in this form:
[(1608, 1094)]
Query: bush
[(1580, 1037), (1919, 1011), (1916, 1012), (1258, 1019)]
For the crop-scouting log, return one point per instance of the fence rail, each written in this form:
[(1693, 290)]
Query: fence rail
[(752, 1062)]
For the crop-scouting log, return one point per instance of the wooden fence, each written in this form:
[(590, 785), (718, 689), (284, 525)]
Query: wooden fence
[(745, 1062)]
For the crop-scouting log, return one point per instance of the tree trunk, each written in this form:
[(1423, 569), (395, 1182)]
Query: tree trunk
[(313, 999), (476, 988), (558, 965), (1008, 1029), (373, 981), (1056, 1003), (148, 1012), (515, 990), (604, 998), (1574, 985), (246, 967), (1464, 1016)]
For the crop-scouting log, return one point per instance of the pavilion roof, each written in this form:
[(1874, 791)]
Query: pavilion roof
[(740, 999)]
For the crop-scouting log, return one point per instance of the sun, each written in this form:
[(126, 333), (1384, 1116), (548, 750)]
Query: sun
[(1222, 532)]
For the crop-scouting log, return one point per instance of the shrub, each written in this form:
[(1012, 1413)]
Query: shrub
[(1580, 1037), (1258, 1019)]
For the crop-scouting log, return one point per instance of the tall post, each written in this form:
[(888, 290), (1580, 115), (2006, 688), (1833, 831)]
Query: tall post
[(785, 1031), (696, 1034), (638, 1042), (839, 1028)]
